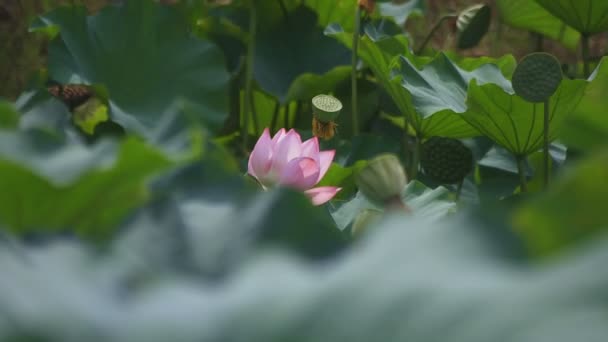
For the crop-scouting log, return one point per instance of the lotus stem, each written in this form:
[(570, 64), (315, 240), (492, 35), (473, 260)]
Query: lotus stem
[(415, 158), (249, 74), (433, 30), (546, 144), (353, 72), (275, 116), (406, 138), (459, 190), (585, 54), (522, 173)]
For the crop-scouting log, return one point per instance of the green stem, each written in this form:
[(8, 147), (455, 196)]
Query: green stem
[(249, 73), (286, 116), (415, 158), (522, 173), (406, 140), (546, 144), (353, 73), (459, 190), (585, 54), (275, 116), (538, 42), (254, 114), (433, 30)]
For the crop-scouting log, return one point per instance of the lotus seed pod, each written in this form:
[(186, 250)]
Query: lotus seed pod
[(446, 160), (326, 108), (472, 24), (382, 179), (537, 77), (364, 219)]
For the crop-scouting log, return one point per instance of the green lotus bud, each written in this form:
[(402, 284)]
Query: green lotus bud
[(537, 77), (382, 179), (326, 108), (364, 219), (472, 24)]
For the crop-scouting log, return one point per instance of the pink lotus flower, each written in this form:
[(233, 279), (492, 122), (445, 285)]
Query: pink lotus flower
[(285, 160)]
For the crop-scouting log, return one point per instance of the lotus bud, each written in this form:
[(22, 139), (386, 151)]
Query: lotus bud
[(472, 24), (382, 181), (326, 109), (364, 219)]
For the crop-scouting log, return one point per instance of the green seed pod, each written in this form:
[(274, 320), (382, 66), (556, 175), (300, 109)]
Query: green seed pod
[(364, 219), (382, 179), (446, 160), (537, 77), (326, 108), (472, 24)]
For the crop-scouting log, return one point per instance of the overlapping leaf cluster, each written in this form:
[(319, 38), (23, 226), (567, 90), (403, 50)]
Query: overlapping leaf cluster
[(152, 233)]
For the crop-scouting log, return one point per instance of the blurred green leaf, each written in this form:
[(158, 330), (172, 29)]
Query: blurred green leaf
[(343, 177), (514, 123), (432, 204), (586, 16), (9, 118), (145, 56), (62, 289), (401, 12), (571, 210), (296, 50), (587, 127), (50, 186), (529, 15)]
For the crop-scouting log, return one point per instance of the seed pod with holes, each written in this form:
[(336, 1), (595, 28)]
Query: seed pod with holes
[(446, 160), (537, 77), (326, 109)]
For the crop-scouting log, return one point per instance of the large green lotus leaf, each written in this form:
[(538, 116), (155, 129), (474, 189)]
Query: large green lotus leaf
[(573, 208), (50, 185), (424, 202), (529, 15), (587, 127), (145, 56), (308, 85), (430, 279), (586, 16), (296, 50), (381, 53), (440, 88), (514, 123)]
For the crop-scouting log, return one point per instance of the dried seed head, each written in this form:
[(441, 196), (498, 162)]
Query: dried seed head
[(322, 129)]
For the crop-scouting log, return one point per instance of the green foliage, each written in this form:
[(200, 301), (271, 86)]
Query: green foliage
[(294, 57), (586, 16), (529, 15), (146, 226), (432, 204), (144, 55), (51, 185), (514, 123), (587, 127), (571, 211)]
